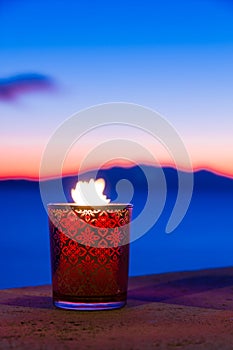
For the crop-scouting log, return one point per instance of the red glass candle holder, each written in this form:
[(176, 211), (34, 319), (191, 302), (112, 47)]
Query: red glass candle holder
[(89, 255)]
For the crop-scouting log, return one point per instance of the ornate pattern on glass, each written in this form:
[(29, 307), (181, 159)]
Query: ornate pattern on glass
[(89, 255)]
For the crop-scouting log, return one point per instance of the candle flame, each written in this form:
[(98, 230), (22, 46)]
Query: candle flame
[(90, 193)]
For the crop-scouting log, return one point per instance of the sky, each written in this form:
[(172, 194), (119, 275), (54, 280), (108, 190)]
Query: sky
[(60, 57)]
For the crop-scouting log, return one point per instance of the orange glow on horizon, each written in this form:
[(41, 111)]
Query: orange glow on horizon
[(30, 175), (21, 157)]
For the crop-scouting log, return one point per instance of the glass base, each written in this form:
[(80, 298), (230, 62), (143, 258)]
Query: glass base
[(89, 306)]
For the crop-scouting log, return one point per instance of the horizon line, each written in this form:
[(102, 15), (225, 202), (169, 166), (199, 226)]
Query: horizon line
[(72, 174)]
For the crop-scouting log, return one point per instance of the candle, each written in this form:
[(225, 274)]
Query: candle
[(89, 249)]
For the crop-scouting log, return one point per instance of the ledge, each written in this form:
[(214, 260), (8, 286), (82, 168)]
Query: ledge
[(183, 310)]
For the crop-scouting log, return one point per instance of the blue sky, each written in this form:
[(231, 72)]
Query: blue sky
[(172, 56), (116, 23)]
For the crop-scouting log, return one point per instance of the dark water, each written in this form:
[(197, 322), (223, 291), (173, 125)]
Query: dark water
[(204, 239)]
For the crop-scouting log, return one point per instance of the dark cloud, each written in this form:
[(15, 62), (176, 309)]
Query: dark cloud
[(12, 87)]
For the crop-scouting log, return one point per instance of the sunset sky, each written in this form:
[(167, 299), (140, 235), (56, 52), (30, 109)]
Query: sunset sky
[(59, 57)]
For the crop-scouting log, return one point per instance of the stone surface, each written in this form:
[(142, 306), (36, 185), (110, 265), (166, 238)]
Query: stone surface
[(188, 310)]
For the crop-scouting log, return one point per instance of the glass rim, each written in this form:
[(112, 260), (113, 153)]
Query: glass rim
[(89, 207)]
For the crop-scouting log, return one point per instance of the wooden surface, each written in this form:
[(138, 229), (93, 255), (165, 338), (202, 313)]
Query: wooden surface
[(189, 310)]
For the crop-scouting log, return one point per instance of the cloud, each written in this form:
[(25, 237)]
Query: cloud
[(12, 87)]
